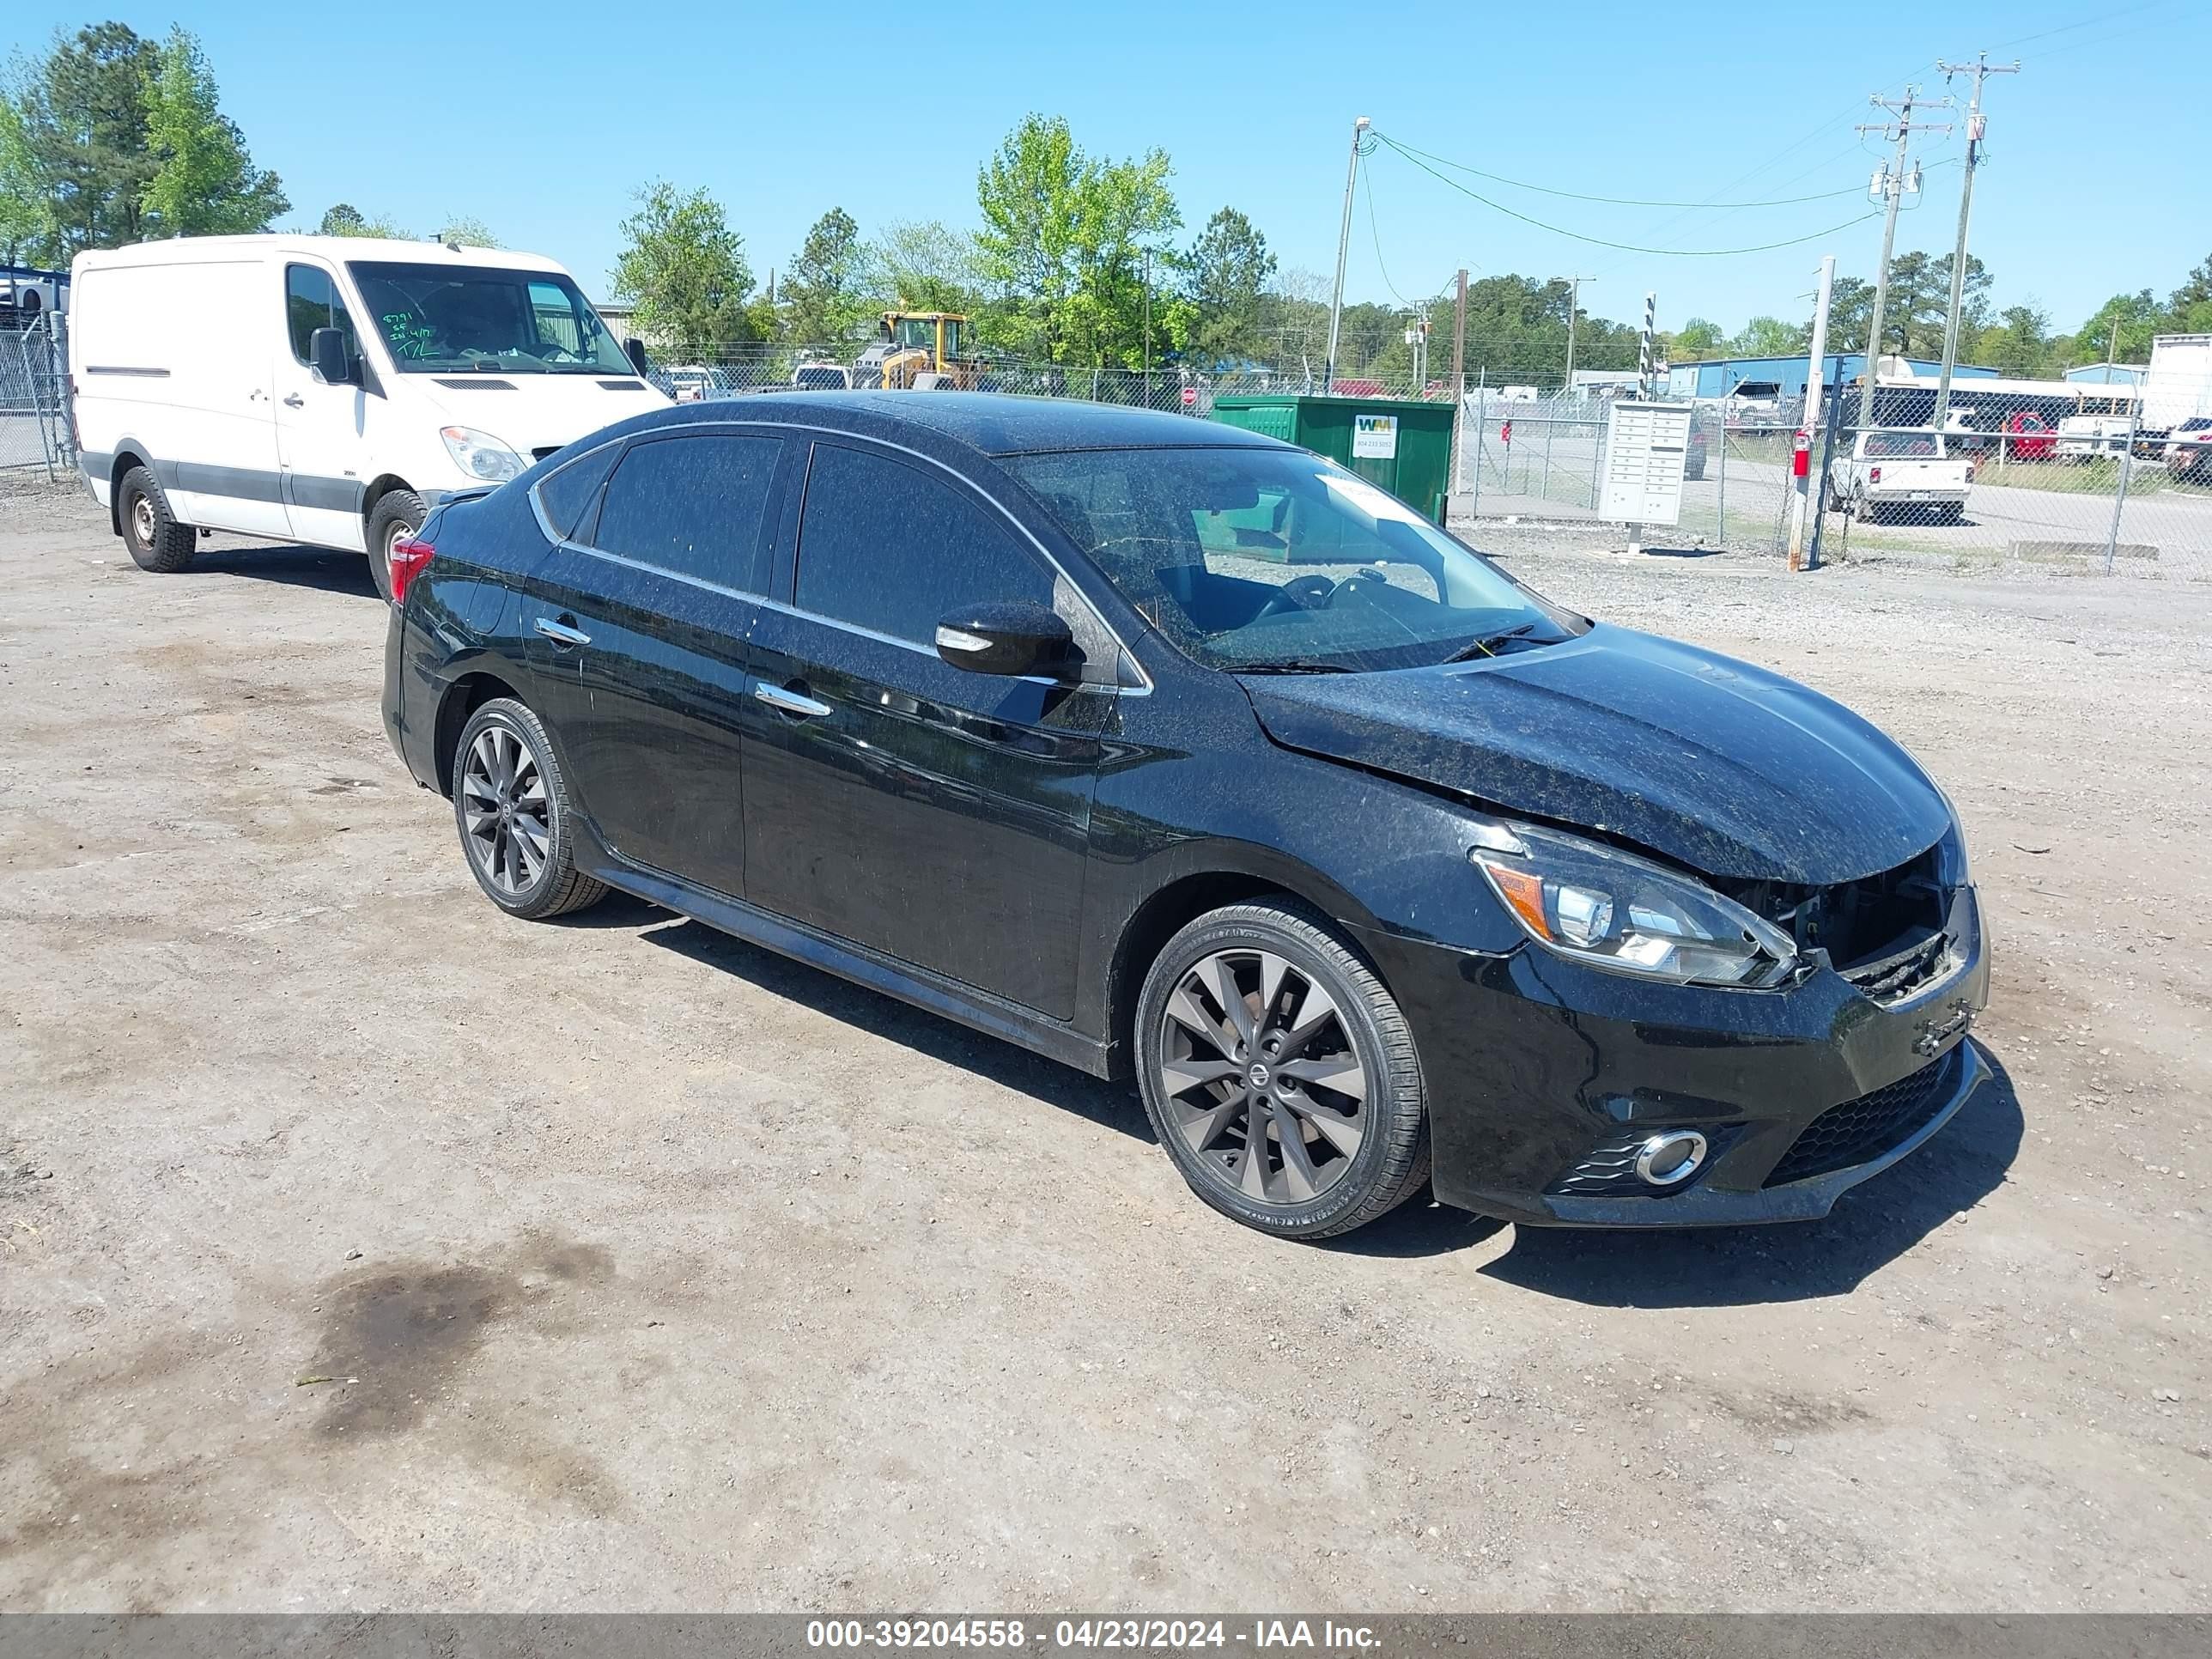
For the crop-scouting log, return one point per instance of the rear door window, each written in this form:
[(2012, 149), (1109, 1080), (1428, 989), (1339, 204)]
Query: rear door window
[(692, 504), (885, 546)]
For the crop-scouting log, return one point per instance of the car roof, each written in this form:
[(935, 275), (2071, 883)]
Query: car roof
[(987, 422)]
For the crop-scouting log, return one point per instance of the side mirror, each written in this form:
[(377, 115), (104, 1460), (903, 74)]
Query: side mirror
[(328, 356), (634, 350), (1019, 638)]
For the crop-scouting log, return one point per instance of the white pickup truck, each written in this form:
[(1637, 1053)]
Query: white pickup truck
[(1907, 472)]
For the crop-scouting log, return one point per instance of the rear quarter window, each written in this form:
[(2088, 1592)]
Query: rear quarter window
[(566, 494)]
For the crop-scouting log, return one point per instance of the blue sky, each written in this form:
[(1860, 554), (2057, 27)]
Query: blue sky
[(543, 121)]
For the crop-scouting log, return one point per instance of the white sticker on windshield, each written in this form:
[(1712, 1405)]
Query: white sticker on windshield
[(1376, 504)]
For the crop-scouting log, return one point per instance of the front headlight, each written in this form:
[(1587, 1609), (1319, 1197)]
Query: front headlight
[(1612, 910), (481, 455)]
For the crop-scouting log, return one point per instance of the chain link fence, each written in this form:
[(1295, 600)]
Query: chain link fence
[(34, 415), (2066, 481), (2013, 481)]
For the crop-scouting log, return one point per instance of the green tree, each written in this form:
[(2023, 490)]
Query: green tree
[(1770, 336), (825, 298), (1912, 316), (26, 226), (1695, 338), (203, 182), (81, 110), (468, 232), (2195, 290), (2122, 328), (923, 266), (2018, 344), (1230, 269), (344, 219), (1062, 247), (684, 270)]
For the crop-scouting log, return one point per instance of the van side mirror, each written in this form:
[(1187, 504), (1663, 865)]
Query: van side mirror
[(1017, 638), (634, 350), (327, 354)]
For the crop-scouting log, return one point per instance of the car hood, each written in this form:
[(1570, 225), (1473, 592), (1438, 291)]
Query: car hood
[(1718, 765), (530, 412)]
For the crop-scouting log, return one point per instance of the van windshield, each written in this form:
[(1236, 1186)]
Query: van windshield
[(442, 318)]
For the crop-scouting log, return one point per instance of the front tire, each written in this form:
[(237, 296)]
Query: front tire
[(399, 514), (157, 542), (1279, 1073), (511, 805)]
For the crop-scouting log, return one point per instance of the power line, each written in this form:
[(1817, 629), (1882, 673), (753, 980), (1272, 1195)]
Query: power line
[(1625, 247), (1617, 201)]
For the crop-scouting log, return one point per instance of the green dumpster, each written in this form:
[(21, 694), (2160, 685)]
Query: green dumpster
[(1402, 444)]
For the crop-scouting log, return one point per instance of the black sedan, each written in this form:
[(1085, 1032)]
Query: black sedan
[(1161, 747)]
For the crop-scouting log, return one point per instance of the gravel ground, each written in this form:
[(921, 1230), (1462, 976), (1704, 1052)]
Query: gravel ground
[(364, 1249)]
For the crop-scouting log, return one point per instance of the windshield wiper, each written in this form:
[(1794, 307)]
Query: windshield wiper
[(1488, 644), (1291, 665)]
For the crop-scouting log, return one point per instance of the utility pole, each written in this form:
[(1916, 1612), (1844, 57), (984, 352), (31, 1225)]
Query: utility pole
[(1459, 338), (1893, 182), (1800, 502), (1976, 123), (1148, 325), (1574, 306), (1343, 247)]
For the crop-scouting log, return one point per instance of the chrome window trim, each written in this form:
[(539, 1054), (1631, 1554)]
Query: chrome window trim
[(538, 507)]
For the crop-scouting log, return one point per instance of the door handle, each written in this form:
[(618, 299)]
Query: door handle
[(560, 632), (294, 401), (790, 703)]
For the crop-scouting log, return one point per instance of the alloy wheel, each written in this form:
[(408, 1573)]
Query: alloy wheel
[(1261, 1077), (506, 814)]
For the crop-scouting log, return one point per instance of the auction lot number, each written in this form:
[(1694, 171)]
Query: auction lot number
[(1013, 1633)]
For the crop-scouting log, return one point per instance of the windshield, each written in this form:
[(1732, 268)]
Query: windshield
[(441, 318), (817, 379), (1274, 560)]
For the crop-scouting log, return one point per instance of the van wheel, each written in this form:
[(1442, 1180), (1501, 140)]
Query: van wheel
[(1279, 1074), (399, 513), (157, 542)]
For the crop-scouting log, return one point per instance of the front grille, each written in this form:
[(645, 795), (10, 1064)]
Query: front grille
[(1919, 963), (1883, 932), (1866, 1127)]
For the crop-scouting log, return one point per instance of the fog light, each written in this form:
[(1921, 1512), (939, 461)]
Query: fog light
[(1670, 1159)]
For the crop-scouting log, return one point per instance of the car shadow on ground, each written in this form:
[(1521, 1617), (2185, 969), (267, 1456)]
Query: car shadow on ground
[(1871, 1225), (321, 569), (1112, 1105)]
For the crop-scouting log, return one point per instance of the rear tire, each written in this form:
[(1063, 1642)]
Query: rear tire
[(399, 514), (157, 542), (1259, 1011), (511, 807)]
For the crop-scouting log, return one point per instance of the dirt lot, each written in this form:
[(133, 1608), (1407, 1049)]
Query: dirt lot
[(364, 1249)]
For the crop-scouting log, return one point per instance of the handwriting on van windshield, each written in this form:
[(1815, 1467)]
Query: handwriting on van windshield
[(409, 337)]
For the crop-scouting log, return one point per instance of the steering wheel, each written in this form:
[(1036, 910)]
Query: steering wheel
[(1303, 593)]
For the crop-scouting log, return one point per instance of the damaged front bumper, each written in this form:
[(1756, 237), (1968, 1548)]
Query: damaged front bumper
[(1545, 1076)]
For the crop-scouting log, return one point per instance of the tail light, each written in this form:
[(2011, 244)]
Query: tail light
[(1873, 477), (409, 559)]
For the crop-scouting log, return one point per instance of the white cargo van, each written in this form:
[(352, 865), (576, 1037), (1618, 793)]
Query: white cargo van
[(328, 389)]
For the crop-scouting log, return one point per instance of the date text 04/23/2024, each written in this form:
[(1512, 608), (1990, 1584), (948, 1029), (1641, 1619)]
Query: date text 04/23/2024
[(1087, 1634)]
